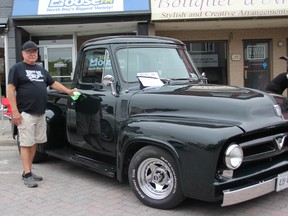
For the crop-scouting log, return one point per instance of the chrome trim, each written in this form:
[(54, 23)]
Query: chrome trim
[(280, 141), (278, 111), (230, 155), (232, 197)]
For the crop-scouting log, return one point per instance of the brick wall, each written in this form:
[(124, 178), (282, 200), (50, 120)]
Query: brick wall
[(234, 39)]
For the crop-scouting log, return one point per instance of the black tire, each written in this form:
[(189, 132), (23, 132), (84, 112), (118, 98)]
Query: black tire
[(40, 156), (154, 178)]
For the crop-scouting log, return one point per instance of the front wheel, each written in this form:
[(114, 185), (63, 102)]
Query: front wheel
[(154, 178)]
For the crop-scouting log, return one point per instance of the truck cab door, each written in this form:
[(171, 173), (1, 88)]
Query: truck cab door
[(91, 118)]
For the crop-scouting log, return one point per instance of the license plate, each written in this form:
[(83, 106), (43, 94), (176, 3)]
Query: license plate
[(282, 181)]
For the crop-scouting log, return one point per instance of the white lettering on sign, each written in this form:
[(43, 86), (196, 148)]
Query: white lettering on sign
[(207, 60), (69, 3), (189, 9), (78, 6)]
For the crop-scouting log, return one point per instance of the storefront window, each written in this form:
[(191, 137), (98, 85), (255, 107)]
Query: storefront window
[(211, 58), (55, 55)]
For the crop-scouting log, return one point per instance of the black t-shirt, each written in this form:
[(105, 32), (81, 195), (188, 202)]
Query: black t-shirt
[(31, 83), (278, 84)]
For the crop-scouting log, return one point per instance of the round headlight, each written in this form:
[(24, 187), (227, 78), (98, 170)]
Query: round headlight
[(233, 156)]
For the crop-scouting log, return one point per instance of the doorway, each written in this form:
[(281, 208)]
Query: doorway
[(257, 66), (57, 59)]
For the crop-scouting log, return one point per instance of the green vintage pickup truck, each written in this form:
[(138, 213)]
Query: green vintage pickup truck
[(146, 114)]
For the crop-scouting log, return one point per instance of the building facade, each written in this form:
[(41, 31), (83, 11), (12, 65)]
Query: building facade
[(5, 25), (234, 42)]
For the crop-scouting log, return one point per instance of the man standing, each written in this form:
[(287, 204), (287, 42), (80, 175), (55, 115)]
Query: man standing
[(27, 93), (280, 82)]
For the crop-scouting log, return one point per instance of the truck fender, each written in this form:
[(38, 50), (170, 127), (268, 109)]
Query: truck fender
[(130, 141)]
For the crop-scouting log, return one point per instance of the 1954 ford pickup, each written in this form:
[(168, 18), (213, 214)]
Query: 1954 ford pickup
[(145, 114)]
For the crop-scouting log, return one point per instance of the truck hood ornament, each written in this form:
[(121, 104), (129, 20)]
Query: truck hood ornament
[(280, 141)]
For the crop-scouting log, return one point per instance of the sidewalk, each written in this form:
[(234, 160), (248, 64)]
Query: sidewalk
[(6, 138)]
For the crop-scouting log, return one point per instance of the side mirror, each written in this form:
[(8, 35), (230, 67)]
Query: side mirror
[(108, 80), (204, 78)]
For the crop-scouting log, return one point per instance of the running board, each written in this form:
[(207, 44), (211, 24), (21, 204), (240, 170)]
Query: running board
[(88, 163)]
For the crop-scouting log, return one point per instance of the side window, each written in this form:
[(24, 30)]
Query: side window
[(96, 63)]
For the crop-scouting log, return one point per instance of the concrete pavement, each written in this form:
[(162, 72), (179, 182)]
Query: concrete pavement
[(71, 190), (68, 189), (6, 134)]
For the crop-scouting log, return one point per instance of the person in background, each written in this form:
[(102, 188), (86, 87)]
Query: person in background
[(27, 93), (280, 82)]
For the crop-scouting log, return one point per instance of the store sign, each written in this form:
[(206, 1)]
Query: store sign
[(256, 52), (194, 9), (70, 7), (78, 6), (206, 60), (59, 64)]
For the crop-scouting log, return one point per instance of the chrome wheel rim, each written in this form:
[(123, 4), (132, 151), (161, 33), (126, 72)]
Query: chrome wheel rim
[(155, 178)]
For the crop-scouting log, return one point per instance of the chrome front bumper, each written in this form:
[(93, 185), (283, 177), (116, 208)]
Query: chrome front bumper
[(240, 195)]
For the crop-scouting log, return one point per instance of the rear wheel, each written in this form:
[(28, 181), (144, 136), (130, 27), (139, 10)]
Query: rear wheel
[(154, 178)]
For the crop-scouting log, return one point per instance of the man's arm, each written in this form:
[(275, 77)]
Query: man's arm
[(16, 117), (61, 88)]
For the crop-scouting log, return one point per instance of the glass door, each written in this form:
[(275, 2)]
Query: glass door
[(256, 64), (57, 59)]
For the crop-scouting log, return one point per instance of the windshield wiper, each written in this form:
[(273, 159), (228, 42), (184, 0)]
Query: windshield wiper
[(195, 80), (165, 80), (180, 78)]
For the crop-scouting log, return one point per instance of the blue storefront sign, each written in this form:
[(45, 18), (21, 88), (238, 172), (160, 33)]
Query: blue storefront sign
[(31, 8)]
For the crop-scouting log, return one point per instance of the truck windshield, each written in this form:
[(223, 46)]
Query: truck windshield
[(167, 63)]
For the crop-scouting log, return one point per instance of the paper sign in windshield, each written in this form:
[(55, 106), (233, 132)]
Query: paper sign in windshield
[(149, 79)]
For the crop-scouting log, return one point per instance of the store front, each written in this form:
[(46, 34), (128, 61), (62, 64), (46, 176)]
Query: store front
[(210, 58), (218, 34), (56, 57), (60, 27), (234, 42)]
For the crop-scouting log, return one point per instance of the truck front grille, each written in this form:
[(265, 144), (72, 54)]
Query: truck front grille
[(262, 152), (264, 147), (267, 147)]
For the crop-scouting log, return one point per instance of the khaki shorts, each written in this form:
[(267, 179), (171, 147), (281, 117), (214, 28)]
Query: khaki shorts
[(32, 129)]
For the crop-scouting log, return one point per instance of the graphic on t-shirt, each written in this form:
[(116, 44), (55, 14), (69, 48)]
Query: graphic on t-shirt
[(34, 75)]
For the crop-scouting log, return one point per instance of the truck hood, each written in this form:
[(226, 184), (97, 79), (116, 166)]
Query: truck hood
[(248, 109)]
